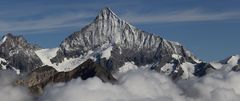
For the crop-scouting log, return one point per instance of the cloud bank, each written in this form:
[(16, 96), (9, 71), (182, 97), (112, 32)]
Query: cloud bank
[(149, 86), (9, 92), (217, 86), (137, 85), (181, 16), (134, 86)]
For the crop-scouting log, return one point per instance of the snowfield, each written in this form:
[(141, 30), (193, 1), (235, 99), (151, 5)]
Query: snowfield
[(233, 60), (46, 54), (107, 52), (69, 64)]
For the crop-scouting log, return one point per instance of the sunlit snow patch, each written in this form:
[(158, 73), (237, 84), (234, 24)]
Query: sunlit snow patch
[(107, 52), (167, 68), (176, 56), (67, 65), (46, 54), (216, 65), (3, 40), (127, 67), (233, 60)]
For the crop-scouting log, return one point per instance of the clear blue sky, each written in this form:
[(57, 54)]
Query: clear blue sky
[(208, 28)]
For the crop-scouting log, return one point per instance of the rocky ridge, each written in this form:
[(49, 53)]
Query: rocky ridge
[(19, 54)]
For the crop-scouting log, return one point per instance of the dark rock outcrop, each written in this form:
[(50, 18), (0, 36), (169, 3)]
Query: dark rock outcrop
[(202, 69), (42, 76), (236, 68)]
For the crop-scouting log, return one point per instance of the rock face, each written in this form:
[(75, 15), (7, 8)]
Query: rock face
[(236, 68), (202, 69), (42, 76), (127, 43), (18, 53)]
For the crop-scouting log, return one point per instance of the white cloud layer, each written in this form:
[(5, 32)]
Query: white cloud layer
[(149, 86), (181, 16), (134, 86), (137, 85), (9, 92), (217, 86)]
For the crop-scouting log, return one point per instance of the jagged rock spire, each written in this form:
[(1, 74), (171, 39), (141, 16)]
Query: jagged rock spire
[(9, 35), (19, 53), (5, 37), (10, 40), (106, 13), (109, 29)]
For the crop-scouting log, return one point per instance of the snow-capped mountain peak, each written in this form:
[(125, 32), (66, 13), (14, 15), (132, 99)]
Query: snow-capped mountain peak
[(9, 37), (10, 40), (107, 13), (233, 60), (18, 53), (114, 42), (109, 28)]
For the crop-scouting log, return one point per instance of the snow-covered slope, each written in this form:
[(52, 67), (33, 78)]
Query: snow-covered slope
[(227, 64), (233, 60), (107, 53), (216, 65), (67, 65), (4, 65), (127, 67), (46, 54)]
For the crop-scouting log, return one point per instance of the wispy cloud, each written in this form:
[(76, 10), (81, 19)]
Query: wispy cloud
[(62, 16), (41, 17), (47, 22), (36, 16), (181, 16)]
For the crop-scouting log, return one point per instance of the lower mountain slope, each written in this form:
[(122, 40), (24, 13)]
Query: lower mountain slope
[(40, 77)]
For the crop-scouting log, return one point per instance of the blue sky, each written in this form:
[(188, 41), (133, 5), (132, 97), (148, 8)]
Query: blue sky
[(208, 28)]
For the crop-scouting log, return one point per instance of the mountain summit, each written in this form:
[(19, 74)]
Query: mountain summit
[(114, 42), (19, 54), (108, 40)]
